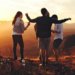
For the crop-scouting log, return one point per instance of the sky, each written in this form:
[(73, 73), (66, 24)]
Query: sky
[(63, 8)]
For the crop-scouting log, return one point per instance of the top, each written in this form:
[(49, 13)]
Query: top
[(58, 28), (19, 27)]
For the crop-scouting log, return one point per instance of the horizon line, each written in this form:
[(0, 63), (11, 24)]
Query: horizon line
[(27, 21)]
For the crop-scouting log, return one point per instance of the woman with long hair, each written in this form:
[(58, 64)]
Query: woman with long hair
[(18, 30)]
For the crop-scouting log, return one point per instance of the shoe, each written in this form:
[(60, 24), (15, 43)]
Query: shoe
[(23, 62), (40, 64)]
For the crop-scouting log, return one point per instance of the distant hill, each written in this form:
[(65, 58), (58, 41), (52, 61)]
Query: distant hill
[(68, 42)]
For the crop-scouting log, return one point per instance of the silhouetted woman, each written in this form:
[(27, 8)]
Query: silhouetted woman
[(18, 30)]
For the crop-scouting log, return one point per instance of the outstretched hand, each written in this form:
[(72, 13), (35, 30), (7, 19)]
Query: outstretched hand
[(25, 28), (28, 23), (26, 14), (69, 18)]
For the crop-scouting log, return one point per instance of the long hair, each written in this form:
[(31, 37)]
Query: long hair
[(19, 13)]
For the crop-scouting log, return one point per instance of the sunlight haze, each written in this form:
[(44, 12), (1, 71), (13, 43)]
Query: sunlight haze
[(63, 8)]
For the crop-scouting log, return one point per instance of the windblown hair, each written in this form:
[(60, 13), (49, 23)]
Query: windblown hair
[(19, 13)]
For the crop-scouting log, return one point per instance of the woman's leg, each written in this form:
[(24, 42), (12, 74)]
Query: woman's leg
[(21, 44), (14, 46)]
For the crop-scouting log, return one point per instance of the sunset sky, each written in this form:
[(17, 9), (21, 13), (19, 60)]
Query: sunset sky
[(63, 8)]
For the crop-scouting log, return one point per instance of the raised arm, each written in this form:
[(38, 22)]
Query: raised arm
[(27, 25), (31, 20), (60, 21)]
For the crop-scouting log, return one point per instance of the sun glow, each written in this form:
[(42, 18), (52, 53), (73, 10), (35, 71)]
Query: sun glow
[(62, 8)]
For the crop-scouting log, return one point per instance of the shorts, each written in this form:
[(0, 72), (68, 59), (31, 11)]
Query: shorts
[(57, 43), (44, 43)]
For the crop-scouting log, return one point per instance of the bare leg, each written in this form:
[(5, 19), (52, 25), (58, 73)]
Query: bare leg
[(56, 54), (47, 55), (42, 56)]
